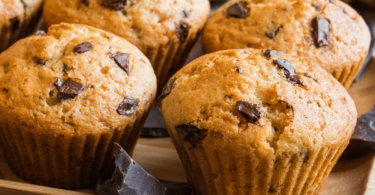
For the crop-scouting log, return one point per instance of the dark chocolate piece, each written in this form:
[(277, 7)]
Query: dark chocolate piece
[(127, 106), (40, 62), (83, 47), (286, 66), (129, 178), (116, 5), (86, 2), (320, 31), (294, 79), (167, 89), (239, 70), (237, 10), (69, 90), (186, 13), (271, 33), (182, 31), (191, 134), (39, 33), (122, 60), (58, 83), (270, 53), (14, 23), (251, 111)]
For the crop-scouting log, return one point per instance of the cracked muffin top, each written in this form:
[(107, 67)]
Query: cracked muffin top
[(329, 33), (145, 23), (13, 12), (75, 79), (274, 101)]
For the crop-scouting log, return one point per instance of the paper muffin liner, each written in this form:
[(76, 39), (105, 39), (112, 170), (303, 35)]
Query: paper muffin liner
[(223, 171), (69, 162), (168, 59), (28, 25), (346, 76)]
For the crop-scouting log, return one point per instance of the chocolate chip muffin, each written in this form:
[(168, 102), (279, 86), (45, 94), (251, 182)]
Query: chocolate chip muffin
[(257, 122), (164, 31), (329, 33), (18, 18), (65, 98)]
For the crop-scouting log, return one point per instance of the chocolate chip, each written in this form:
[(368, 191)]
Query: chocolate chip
[(320, 31), (167, 89), (251, 111), (83, 47), (58, 83), (295, 80), (39, 33), (14, 23), (186, 13), (40, 62), (271, 33), (191, 134), (116, 5), (237, 10), (182, 31), (122, 60), (286, 66), (270, 53), (127, 106), (5, 90), (69, 90), (238, 69), (86, 2)]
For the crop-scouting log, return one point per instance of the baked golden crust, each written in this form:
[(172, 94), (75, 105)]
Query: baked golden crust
[(349, 36), (29, 96), (301, 133)]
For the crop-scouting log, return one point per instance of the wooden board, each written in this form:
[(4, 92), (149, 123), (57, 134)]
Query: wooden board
[(158, 156)]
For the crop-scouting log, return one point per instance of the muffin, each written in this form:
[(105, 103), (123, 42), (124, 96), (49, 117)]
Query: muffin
[(18, 19), (325, 32), (66, 97), (257, 122), (164, 31)]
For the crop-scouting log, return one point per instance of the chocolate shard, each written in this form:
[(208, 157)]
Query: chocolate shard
[(167, 89), (182, 31), (14, 23), (58, 83), (186, 13), (40, 62), (39, 33), (286, 66), (83, 47), (122, 60), (116, 5), (251, 111), (86, 2), (127, 106), (129, 178), (237, 10), (270, 53), (69, 90), (271, 33), (294, 79), (321, 31), (239, 70), (191, 134)]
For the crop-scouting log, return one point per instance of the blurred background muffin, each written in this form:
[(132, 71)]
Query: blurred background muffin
[(164, 30), (257, 122), (328, 33), (18, 18), (65, 98)]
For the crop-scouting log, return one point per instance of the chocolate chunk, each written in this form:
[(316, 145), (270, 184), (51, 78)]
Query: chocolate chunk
[(122, 60), (39, 33), (251, 111), (129, 178), (14, 23), (271, 33), (69, 90), (86, 2), (294, 79), (237, 10), (40, 62), (127, 106), (5, 90), (83, 47), (182, 31), (58, 83), (286, 66), (116, 5), (321, 31), (186, 13), (270, 53), (167, 89), (191, 134), (239, 70)]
